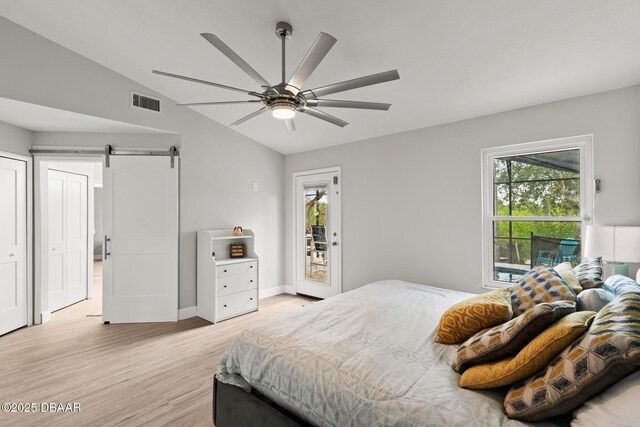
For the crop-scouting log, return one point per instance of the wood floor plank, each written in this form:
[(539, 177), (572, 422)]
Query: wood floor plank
[(135, 374)]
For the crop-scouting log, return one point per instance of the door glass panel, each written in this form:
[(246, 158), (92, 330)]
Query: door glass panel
[(316, 203)]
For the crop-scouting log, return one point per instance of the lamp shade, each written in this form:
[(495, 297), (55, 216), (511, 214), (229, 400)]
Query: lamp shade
[(627, 244), (599, 242)]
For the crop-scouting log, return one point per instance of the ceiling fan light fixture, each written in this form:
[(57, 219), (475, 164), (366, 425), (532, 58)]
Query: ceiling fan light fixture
[(283, 112), (287, 97)]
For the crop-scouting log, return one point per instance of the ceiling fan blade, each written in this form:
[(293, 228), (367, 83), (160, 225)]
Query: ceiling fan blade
[(348, 104), (250, 116), (217, 103), (310, 62), (270, 88), (235, 58), (324, 116), (204, 82), (373, 79), (290, 125)]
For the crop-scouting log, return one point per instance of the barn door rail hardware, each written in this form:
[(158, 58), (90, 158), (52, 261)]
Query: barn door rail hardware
[(108, 151)]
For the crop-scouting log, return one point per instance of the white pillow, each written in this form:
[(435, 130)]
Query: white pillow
[(616, 406)]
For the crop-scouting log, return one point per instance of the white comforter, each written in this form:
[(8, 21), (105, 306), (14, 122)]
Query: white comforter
[(363, 358)]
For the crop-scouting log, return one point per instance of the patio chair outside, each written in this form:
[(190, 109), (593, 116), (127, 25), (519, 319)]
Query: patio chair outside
[(552, 251)]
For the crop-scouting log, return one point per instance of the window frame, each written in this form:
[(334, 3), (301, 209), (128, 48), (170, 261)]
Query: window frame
[(584, 143)]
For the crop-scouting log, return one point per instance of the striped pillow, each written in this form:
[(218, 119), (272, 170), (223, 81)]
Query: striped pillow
[(589, 273)]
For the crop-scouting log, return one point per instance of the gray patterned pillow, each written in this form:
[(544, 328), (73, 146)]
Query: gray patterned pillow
[(589, 273), (594, 299), (609, 351), (509, 338)]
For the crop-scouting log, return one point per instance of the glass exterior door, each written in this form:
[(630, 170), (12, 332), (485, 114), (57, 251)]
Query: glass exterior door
[(317, 201), (316, 208)]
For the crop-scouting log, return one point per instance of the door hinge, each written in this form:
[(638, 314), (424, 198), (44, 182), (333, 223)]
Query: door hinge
[(335, 180)]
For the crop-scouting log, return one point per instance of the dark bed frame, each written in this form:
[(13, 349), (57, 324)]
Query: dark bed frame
[(233, 406)]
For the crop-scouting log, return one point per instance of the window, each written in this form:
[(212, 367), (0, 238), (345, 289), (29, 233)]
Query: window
[(537, 197)]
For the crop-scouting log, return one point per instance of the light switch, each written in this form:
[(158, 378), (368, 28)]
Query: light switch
[(254, 185)]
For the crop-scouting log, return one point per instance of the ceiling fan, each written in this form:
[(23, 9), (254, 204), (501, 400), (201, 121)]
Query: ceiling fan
[(287, 98)]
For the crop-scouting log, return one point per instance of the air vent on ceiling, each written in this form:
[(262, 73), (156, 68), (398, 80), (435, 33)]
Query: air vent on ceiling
[(142, 101)]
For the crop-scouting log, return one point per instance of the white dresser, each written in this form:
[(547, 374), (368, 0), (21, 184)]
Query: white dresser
[(227, 287)]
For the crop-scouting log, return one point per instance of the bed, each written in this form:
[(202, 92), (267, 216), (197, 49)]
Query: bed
[(366, 357)]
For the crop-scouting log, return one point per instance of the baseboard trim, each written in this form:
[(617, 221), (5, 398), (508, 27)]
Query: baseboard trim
[(187, 312), (271, 292), (45, 316), (97, 257), (290, 289)]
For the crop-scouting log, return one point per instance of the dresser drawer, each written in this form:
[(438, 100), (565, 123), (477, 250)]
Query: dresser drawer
[(236, 303), (239, 268), (237, 283)]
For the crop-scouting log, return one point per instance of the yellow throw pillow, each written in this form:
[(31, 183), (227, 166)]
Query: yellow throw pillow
[(566, 272), (472, 315), (534, 357)]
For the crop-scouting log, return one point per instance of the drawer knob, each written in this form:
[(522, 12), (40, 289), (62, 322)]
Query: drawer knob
[(225, 271), (224, 286), (250, 281), (225, 305), (251, 299), (251, 266)]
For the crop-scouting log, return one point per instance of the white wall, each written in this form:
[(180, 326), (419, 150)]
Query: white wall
[(14, 139), (217, 164), (411, 202)]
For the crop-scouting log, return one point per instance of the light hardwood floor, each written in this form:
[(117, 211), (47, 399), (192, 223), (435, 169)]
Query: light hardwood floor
[(135, 374)]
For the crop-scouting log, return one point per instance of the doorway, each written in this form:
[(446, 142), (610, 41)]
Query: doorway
[(317, 232), (68, 213)]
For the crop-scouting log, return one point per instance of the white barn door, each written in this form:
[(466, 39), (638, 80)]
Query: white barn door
[(140, 270), (67, 239), (13, 244)]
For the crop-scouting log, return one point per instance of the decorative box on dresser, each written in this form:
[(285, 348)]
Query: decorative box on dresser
[(227, 287)]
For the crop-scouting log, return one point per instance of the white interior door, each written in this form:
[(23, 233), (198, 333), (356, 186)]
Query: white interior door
[(57, 240), (140, 269), (77, 235), (13, 244), (318, 254), (67, 239)]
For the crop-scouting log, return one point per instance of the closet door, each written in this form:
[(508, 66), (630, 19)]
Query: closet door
[(67, 239), (13, 244)]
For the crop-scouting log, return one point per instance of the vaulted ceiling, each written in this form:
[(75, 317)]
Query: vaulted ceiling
[(456, 59)]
